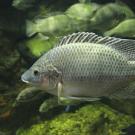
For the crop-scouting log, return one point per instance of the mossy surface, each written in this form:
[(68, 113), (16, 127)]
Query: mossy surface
[(93, 119), (38, 46), (75, 11)]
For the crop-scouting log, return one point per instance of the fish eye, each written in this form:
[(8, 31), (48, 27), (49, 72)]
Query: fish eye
[(36, 72)]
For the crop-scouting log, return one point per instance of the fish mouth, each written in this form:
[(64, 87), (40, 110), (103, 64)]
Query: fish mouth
[(24, 80), (30, 83), (35, 83)]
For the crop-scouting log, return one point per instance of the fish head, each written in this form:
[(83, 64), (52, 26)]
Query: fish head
[(43, 76)]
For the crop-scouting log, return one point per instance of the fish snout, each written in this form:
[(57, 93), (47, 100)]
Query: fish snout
[(24, 78), (31, 77)]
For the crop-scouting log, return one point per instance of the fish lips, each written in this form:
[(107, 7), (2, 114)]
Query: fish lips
[(42, 81), (24, 79), (29, 80)]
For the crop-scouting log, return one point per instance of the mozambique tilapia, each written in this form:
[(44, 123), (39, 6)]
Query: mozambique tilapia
[(85, 66)]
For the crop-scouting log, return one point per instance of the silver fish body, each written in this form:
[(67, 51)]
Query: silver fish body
[(84, 69)]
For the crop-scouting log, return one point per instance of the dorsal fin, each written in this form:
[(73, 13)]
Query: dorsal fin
[(125, 46), (80, 37)]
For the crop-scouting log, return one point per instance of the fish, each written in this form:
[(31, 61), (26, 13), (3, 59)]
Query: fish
[(124, 29), (23, 4), (85, 67), (49, 26), (110, 15)]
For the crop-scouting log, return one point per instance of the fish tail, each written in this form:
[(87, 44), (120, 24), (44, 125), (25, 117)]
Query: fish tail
[(30, 31)]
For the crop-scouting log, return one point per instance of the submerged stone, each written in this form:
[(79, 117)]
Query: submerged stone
[(125, 29), (75, 11), (109, 16), (33, 48)]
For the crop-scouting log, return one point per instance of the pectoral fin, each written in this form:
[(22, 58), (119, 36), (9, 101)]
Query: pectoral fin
[(60, 90), (83, 98), (67, 101)]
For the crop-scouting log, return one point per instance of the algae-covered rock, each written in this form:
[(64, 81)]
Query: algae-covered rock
[(38, 46), (75, 11), (124, 29), (48, 104), (128, 106), (53, 25), (110, 15), (89, 120), (124, 105), (27, 94), (60, 24), (33, 48)]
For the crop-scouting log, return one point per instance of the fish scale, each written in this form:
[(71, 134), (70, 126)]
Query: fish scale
[(82, 61), (85, 65)]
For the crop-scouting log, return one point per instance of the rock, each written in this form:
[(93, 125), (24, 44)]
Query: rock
[(126, 105), (33, 48), (89, 120), (57, 25), (109, 16), (40, 45), (27, 95), (48, 104), (60, 24), (75, 11), (125, 29)]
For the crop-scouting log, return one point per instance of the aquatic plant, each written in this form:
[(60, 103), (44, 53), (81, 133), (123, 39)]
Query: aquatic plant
[(89, 120)]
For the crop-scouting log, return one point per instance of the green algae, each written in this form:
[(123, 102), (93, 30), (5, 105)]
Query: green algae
[(39, 45), (124, 29), (109, 16), (92, 119), (75, 11), (48, 104)]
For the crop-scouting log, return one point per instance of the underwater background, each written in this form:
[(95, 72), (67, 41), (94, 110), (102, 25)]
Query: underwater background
[(28, 29)]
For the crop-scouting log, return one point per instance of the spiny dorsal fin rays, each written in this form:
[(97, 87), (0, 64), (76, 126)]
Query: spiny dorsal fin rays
[(125, 46), (79, 37)]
